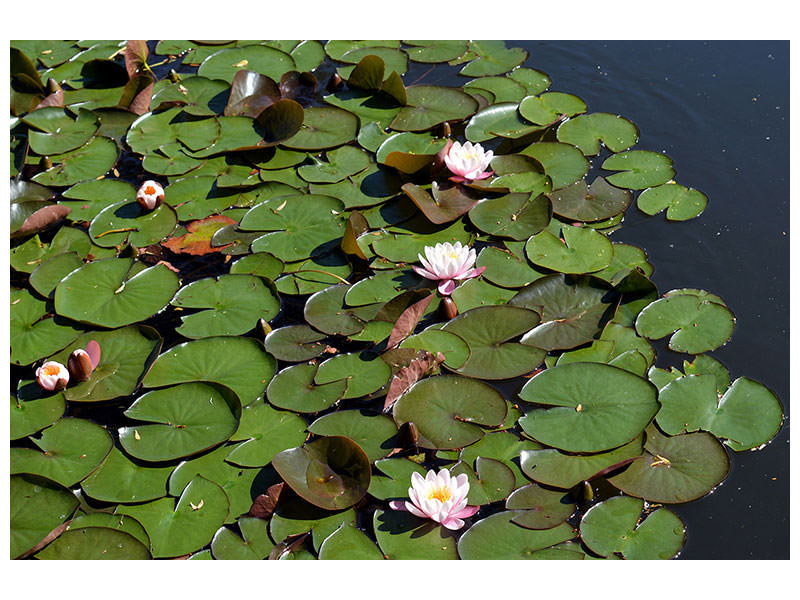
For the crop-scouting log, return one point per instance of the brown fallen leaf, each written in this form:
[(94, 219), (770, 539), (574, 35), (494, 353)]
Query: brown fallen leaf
[(198, 239)]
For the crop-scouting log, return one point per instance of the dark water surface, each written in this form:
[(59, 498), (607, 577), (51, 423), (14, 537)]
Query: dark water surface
[(721, 111)]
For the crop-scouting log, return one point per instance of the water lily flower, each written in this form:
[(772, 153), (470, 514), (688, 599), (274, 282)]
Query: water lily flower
[(150, 194), (448, 263), (468, 162), (52, 376), (439, 497), (80, 365)]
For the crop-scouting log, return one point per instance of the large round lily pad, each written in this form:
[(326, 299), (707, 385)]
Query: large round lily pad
[(187, 419), (294, 389), (373, 433), (402, 536), (324, 127), (115, 292), (517, 216), (265, 432), (639, 169), (499, 538), (225, 63), (95, 543), (365, 373), (33, 334), (429, 105), (123, 479), (596, 407), (582, 250), (448, 410), (38, 506), (595, 202), (587, 131), (126, 222)]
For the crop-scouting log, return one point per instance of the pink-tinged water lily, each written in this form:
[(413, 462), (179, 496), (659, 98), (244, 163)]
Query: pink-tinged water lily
[(439, 497), (150, 194), (468, 162), (52, 376), (80, 365), (448, 263)]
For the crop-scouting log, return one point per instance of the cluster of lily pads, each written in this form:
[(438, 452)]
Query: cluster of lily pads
[(282, 347)]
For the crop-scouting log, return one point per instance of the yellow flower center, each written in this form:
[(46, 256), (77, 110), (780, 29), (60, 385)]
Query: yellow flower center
[(51, 370), (440, 493), (453, 254)]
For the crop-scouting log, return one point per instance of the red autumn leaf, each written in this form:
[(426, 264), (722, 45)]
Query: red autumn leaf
[(264, 504), (407, 321), (136, 53), (408, 376), (198, 240)]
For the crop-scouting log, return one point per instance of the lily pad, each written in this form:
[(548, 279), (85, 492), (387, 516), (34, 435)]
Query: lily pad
[(29, 415), (349, 543), (253, 545), (324, 127), (294, 343), (364, 372), (299, 516), (587, 131), (225, 63), (402, 536), (540, 508), (596, 202), (294, 389), (34, 335), (70, 450), (430, 105), (434, 51), (597, 407), (550, 107), (477, 292), (182, 528), (696, 323), (59, 131), (639, 169), (582, 250), (86, 162), (326, 312), (187, 418), (373, 433), (491, 481), (330, 472), (558, 469), (675, 469), (517, 216), (235, 362), (682, 203), (747, 414), (448, 410), (488, 331), (491, 57), (501, 119), (340, 164), (505, 268), (499, 538), (38, 506), (127, 222), (95, 543), (114, 292), (502, 446), (615, 525), (126, 355), (455, 350), (235, 303), (265, 432), (122, 479), (47, 275), (398, 478), (564, 163)]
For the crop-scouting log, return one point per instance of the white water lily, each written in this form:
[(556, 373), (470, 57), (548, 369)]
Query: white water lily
[(150, 194), (468, 162), (448, 263), (52, 376), (440, 497)]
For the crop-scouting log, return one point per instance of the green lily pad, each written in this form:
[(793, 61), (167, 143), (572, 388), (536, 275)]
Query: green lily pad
[(125, 524), (32, 253), (349, 543), (265, 432), (597, 407), (235, 362), (29, 415), (504, 89), (558, 469), (382, 287), (682, 203), (369, 107), (596, 202), (501, 119), (564, 163), (225, 63), (341, 163), (708, 365), (60, 132), (407, 240), (126, 355), (324, 127), (615, 525), (197, 95), (295, 343), (491, 481), (127, 222), (587, 131), (434, 51), (89, 161), (38, 506), (188, 418), (491, 57), (539, 507), (33, 335), (448, 410), (627, 258), (517, 216), (639, 169), (582, 250), (182, 528), (325, 311), (402, 536), (122, 479), (364, 372), (696, 323), (330, 472), (236, 304), (261, 264), (499, 538), (505, 268), (298, 516), (398, 478), (455, 350), (373, 433), (550, 107), (409, 152), (502, 446), (253, 545), (71, 449), (487, 331), (294, 389), (430, 105), (477, 292), (115, 292), (675, 469), (572, 310), (95, 543), (47, 275), (747, 414)]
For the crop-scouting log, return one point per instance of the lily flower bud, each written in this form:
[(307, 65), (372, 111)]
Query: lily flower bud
[(52, 376), (150, 195), (80, 365)]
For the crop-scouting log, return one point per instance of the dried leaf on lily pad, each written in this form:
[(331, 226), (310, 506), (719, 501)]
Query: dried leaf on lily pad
[(198, 239)]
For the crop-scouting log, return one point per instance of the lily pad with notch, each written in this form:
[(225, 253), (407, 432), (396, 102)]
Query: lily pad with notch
[(682, 203), (225, 63), (294, 389), (402, 536), (265, 432), (539, 508), (123, 479), (33, 333), (595, 202), (324, 127), (564, 163), (430, 105), (89, 161), (38, 506), (34, 410), (582, 250), (498, 537), (364, 372), (128, 223), (517, 216), (587, 131), (639, 169), (375, 434)]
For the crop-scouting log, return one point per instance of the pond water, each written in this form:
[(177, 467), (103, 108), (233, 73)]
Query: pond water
[(721, 111)]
